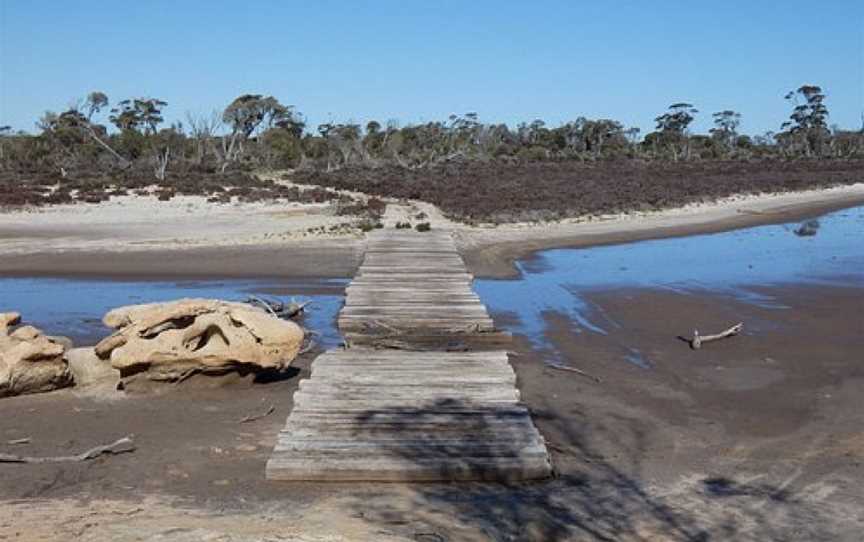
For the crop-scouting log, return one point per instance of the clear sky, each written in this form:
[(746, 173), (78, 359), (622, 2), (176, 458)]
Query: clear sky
[(423, 59)]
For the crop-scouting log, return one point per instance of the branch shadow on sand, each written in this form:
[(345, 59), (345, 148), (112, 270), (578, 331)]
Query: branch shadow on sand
[(590, 497)]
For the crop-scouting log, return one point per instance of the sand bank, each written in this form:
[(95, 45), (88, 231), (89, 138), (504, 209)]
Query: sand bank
[(187, 236)]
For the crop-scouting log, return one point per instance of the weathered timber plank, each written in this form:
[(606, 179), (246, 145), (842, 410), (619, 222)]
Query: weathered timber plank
[(364, 355), (387, 415), (393, 469), (382, 389), (396, 323), (414, 449)]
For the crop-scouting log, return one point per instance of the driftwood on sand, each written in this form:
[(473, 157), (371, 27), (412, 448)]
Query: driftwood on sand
[(254, 417), (579, 372), (124, 445), (278, 308), (698, 340)]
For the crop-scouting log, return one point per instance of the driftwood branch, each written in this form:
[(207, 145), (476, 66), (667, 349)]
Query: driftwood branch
[(253, 417), (577, 371), (258, 302), (124, 445), (308, 347), (278, 308), (698, 340)]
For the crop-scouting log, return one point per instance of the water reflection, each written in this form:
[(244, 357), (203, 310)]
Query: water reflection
[(734, 263)]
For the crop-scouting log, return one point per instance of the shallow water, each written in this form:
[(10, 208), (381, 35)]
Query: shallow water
[(734, 263), (74, 308)]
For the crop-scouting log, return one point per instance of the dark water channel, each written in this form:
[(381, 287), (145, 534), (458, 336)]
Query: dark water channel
[(825, 251)]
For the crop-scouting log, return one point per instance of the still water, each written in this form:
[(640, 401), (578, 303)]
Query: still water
[(827, 251), (74, 307)]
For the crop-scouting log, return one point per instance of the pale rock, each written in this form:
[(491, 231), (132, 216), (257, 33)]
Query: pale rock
[(91, 371), (168, 340), (30, 362)]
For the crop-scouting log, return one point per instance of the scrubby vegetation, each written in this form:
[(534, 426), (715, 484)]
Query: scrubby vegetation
[(473, 170), (538, 191)]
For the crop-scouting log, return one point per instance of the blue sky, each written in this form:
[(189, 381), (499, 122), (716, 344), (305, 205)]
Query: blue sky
[(423, 60)]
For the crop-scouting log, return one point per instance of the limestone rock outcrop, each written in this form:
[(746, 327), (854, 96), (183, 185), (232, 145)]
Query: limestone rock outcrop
[(168, 340), (30, 362), (91, 372)]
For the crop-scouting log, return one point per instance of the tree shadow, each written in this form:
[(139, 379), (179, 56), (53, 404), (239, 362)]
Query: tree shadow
[(590, 497)]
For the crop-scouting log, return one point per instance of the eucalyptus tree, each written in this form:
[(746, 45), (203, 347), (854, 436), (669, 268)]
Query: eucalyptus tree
[(593, 136), (673, 128), (807, 127), (73, 128), (142, 115), (94, 103), (533, 133), (725, 129), (249, 114)]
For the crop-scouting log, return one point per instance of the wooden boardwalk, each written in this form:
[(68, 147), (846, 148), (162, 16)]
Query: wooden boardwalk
[(411, 413)]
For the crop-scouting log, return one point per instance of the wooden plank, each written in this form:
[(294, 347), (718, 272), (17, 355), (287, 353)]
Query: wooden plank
[(375, 402), (399, 355), (367, 414), (404, 390), (411, 449), (394, 469)]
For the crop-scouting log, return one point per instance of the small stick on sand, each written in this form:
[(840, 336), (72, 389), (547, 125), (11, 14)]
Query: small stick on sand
[(121, 446), (577, 371), (253, 417), (25, 440), (698, 340)]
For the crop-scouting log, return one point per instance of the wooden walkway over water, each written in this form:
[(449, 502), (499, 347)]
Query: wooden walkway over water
[(430, 407)]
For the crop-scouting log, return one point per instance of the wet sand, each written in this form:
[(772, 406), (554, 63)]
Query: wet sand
[(757, 437), (268, 241), (316, 259)]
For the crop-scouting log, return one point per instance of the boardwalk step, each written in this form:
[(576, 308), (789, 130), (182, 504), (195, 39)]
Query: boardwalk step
[(396, 415), (397, 469)]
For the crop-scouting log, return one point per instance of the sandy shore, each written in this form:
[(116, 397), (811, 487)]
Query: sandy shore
[(490, 252), (140, 237), (754, 438)]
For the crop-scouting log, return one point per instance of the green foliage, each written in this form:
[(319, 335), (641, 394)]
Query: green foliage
[(725, 129), (807, 127), (258, 131), (250, 111), (677, 119), (141, 115), (287, 147), (369, 225)]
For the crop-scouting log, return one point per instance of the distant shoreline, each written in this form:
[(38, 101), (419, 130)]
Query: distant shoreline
[(489, 252)]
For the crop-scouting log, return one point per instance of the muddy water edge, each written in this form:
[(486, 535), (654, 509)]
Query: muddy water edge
[(759, 437), (763, 432)]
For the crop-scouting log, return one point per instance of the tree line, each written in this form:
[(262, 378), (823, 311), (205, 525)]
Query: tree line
[(257, 131)]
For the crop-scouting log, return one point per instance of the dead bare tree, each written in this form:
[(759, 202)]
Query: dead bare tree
[(162, 163), (203, 129)]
